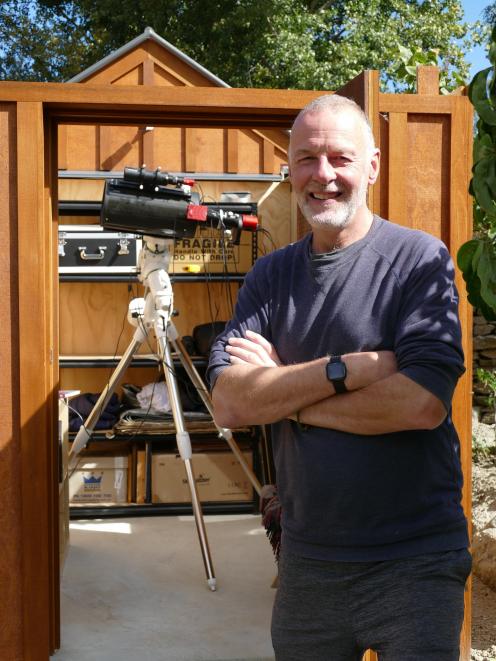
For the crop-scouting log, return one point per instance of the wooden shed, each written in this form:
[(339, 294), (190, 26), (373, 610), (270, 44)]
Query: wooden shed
[(222, 160), (149, 103), (227, 156)]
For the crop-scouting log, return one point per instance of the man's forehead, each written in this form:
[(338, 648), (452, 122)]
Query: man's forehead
[(328, 117), (320, 128)]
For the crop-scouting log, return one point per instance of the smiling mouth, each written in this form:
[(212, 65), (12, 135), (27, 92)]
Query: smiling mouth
[(325, 196)]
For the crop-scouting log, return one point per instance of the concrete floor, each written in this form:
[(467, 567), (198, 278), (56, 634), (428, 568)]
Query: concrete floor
[(135, 589)]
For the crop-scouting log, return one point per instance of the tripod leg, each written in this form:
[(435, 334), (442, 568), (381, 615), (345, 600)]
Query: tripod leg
[(224, 433), (85, 431), (184, 447)]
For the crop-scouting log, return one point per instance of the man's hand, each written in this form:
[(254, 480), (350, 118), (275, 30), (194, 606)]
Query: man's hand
[(253, 349)]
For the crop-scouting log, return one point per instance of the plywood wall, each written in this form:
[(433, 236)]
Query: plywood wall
[(93, 314), (85, 147)]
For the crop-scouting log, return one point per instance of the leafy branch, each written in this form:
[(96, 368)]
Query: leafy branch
[(477, 257), (411, 58)]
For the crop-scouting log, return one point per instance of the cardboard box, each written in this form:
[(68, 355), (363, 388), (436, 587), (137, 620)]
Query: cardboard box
[(209, 252), (218, 476), (99, 480)]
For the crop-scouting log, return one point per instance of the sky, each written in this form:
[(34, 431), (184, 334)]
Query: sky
[(473, 11)]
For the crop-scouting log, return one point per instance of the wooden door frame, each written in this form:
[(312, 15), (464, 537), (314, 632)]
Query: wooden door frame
[(33, 111)]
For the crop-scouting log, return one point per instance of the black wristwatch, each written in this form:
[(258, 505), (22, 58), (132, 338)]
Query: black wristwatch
[(336, 373)]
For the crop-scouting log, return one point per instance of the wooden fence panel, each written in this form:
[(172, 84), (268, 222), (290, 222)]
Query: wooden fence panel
[(426, 163)]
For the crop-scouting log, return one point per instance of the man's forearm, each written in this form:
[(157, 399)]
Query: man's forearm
[(247, 394), (395, 403), (252, 395)]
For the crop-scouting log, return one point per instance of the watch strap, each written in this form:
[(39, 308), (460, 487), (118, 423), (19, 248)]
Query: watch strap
[(339, 385)]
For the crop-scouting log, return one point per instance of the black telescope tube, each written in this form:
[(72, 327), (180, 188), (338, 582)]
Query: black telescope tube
[(167, 212), (149, 179)]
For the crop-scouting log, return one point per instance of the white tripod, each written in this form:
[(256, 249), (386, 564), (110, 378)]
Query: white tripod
[(154, 314)]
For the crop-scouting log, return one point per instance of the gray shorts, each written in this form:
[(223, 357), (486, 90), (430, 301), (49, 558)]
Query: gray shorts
[(405, 610)]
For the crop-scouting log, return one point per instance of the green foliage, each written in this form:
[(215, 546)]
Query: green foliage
[(411, 59), (313, 44), (484, 449), (477, 261), (488, 379), (38, 44), (477, 258), (490, 14)]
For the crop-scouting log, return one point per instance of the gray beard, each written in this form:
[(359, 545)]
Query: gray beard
[(340, 217), (337, 219)]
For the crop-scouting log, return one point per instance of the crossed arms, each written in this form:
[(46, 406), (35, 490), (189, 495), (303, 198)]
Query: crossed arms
[(258, 389)]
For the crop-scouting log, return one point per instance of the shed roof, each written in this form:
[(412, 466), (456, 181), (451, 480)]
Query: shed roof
[(148, 35), (150, 60)]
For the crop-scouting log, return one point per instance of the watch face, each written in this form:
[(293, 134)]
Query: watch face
[(336, 371)]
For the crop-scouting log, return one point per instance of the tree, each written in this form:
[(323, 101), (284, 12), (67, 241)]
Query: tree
[(490, 15), (37, 43), (313, 44)]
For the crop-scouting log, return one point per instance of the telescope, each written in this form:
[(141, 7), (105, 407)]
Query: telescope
[(155, 203), (163, 209)]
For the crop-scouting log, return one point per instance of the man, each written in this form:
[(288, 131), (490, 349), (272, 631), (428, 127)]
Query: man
[(348, 343)]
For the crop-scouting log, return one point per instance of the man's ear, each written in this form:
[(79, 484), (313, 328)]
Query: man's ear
[(374, 165)]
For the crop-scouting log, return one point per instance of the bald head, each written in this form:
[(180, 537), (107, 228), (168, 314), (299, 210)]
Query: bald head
[(334, 104)]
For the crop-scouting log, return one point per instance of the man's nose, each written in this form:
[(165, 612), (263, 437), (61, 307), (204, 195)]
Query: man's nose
[(324, 172)]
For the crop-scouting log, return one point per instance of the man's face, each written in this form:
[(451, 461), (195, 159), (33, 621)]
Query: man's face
[(331, 165)]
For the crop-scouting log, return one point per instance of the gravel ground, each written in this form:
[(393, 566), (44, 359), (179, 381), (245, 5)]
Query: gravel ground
[(483, 622), (483, 516)]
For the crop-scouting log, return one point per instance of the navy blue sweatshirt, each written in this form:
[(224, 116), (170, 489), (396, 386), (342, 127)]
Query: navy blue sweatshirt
[(349, 497)]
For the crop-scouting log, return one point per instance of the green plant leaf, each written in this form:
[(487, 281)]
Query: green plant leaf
[(477, 93), (484, 184), (486, 271), (473, 286), (491, 56), (405, 53), (476, 256), (466, 254), (477, 261), (483, 147), (482, 220)]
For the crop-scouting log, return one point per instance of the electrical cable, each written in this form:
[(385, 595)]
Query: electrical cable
[(226, 286), (267, 235)]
